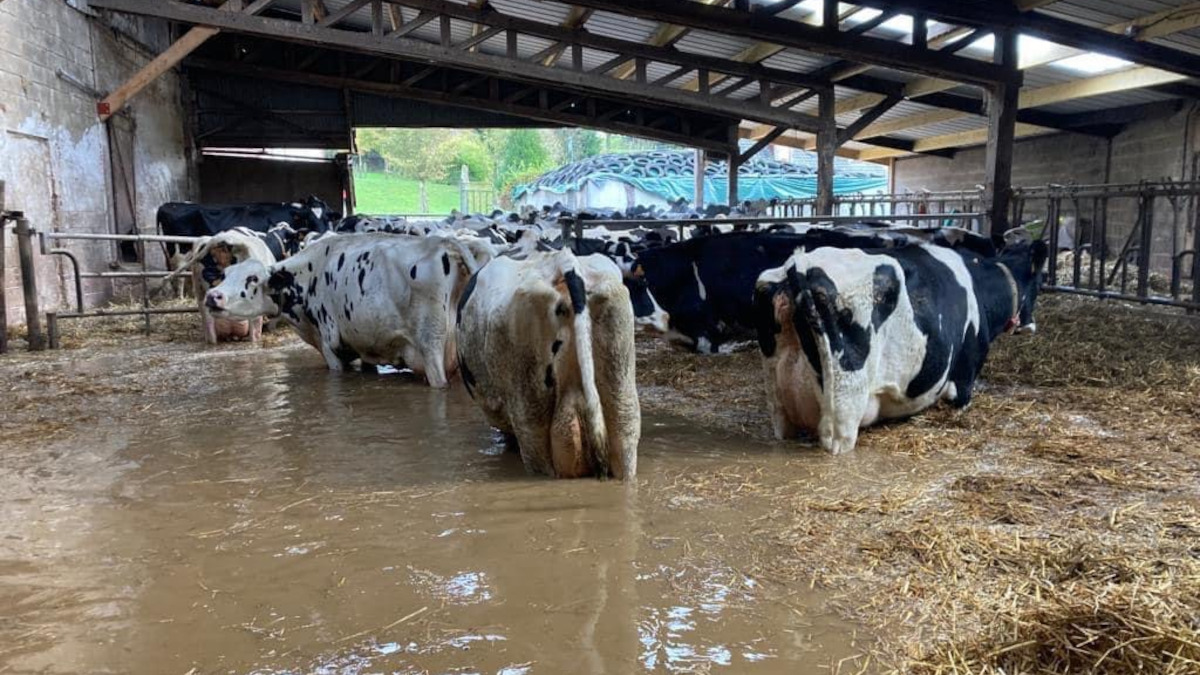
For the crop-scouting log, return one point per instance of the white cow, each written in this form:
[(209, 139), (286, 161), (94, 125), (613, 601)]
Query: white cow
[(546, 350), (227, 248), (384, 299)]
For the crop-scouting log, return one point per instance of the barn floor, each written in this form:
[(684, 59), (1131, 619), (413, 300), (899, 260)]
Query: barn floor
[(171, 508)]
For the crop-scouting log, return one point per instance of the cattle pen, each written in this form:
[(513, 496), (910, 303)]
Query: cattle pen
[(927, 402)]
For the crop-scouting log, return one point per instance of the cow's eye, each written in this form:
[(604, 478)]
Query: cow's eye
[(253, 279)]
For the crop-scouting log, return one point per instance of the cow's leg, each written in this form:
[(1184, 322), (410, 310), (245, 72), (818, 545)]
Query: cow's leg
[(332, 358), (256, 328), (434, 356), (845, 406), (780, 424)]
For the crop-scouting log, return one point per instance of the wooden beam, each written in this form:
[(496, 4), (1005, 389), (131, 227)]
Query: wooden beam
[(1148, 27), (1052, 29), (117, 100), (866, 119), (425, 52), (762, 143), (827, 145), (664, 36), (789, 33), (1001, 135)]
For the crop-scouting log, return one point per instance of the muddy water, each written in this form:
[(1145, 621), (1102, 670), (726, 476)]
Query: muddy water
[(289, 520)]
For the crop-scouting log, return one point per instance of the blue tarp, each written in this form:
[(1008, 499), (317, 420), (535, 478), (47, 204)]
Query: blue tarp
[(672, 188)]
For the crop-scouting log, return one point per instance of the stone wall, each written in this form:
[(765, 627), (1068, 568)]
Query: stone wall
[(54, 151)]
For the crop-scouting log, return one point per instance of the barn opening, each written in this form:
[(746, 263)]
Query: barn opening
[(239, 508)]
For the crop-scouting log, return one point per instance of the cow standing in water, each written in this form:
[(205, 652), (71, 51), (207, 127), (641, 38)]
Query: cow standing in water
[(378, 298), (850, 337), (546, 350)]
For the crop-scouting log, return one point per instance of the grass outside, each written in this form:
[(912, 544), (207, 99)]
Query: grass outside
[(385, 193)]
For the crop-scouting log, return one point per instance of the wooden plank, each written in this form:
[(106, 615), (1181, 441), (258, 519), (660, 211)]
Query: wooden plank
[(762, 143), (168, 59), (116, 101)]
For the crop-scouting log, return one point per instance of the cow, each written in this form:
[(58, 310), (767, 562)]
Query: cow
[(546, 350), (705, 284), (208, 263), (850, 337), (185, 219), (376, 298)]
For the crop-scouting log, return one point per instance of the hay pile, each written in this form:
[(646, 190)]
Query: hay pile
[(1158, 282), (1053, 527), (164, 328)]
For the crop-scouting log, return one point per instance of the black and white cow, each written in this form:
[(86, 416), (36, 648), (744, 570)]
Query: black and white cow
[(850, 337), (705, 283), (185, 219), (546, 350), (383, 299)]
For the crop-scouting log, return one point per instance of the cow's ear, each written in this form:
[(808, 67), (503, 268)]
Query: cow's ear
[(1041, 251), (280, 279)]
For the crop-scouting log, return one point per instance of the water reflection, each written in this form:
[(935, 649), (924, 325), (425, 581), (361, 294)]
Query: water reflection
[(356, 524)]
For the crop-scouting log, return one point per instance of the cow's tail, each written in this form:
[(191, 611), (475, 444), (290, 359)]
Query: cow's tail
[(814, 316), (197, 254), (591, 413)]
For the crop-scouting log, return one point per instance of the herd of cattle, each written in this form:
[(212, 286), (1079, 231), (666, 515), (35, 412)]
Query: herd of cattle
[(856, 324)]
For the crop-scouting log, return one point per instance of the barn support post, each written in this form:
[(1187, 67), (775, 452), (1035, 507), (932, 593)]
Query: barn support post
[(33, 318), (698, 189), (1002, 104), (3, 275), (827, 145)]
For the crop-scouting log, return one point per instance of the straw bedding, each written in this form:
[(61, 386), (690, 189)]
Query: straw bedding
[(1053, 527)]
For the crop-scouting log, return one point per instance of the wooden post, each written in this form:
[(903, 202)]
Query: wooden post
[(1003, 102), (827, 145), (698, 190), (3, 277), (33, 317), (731, 194)]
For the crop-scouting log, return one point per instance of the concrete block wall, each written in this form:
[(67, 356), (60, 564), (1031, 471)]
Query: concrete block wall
[(1152, 149), (54, 151)]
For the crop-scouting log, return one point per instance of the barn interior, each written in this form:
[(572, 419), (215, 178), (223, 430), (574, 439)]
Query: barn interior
[(180, 508)]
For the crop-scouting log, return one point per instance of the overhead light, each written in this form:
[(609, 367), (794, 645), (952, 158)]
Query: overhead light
[(1091, 63)]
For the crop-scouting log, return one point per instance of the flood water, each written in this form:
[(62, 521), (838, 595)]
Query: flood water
[(289, 520)]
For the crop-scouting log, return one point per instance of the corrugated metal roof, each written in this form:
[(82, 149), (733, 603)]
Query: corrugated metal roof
[(611, 24)]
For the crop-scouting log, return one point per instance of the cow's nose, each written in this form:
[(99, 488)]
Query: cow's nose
[(214, 300)]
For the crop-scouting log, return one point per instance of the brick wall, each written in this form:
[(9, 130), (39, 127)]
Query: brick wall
[(53, 149)]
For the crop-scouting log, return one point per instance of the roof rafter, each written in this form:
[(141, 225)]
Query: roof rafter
[(450, 55)]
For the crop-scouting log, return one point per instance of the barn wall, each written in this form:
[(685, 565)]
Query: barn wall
[(1153, 149), (225, 180), (54, 152)]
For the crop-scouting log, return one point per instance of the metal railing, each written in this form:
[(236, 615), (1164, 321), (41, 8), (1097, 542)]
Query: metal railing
[(933, 206), (1133, 242), (573, 227), (26, 235)]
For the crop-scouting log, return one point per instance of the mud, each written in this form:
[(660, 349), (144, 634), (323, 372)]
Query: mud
[(172, 509)]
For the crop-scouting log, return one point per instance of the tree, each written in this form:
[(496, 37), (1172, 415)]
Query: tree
[(523, 152), (419, 154)]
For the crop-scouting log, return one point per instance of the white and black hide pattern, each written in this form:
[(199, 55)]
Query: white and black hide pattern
[(850, 337), (378, 298), (546, 350), (244, 245)]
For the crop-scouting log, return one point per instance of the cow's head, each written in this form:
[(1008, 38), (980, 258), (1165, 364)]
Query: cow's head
[(1026, 261), (243, 294), (673, 281), (646, 311)]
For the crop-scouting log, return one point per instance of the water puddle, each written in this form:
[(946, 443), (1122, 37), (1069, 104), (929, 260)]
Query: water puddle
[(276, 518)]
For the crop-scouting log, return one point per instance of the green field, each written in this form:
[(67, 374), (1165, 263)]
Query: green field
[(384, 193)]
